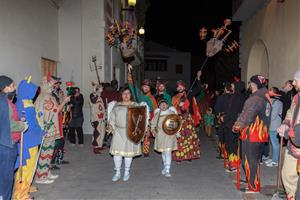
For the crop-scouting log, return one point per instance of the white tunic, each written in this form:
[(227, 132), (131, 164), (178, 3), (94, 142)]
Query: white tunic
[(121, 145), (163, 142)]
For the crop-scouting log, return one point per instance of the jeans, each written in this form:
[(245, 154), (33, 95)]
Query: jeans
[(275, 145), (7, 166)]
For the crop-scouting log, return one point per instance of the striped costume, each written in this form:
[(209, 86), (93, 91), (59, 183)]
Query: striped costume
[(46, 106)]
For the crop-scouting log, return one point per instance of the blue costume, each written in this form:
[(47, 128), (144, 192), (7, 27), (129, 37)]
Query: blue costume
[(34, 134)]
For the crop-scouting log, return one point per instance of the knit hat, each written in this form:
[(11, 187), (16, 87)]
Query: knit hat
[(297, 75), (259, 80), (5, 81)]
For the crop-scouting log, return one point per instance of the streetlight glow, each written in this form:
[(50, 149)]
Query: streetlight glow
[(131, 3), (141, 31)]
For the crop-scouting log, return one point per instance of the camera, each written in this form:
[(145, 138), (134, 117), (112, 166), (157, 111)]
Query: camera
[(72, 91)]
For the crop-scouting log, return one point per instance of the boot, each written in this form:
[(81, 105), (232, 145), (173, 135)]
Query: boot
[(167, 171), (168, 164), (116, 176), (163, 155), (126, 175)]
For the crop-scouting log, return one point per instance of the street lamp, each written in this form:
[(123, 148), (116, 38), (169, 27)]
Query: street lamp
[(141, 31)]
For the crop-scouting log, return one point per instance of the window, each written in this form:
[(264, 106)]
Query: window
[(179, 69), (156, 65), (49, 67)]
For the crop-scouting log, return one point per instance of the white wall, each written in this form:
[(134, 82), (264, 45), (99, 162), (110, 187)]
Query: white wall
[(277, 25), (28, 31), (173, 58), (70, 52), (81, 36)]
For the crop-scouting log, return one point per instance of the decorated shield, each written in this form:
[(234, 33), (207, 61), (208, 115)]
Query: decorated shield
[(172, 124), (136, 123)]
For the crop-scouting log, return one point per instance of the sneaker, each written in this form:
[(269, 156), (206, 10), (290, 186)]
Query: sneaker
[(268, 161), (167, 174), (163, 172), (272, 164), (116, 177), (52, 176), (126, 176), (81, 145), (72, 145), (44, 181), (265, 158)]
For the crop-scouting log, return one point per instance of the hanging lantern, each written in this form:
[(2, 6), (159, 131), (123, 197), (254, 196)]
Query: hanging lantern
[(131, 3)]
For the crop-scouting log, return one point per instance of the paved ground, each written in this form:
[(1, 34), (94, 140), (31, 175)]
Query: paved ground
[(89, 177)]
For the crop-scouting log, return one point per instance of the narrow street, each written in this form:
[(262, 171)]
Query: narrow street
[(89, 177)]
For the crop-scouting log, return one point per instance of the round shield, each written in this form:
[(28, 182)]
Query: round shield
[(172, 124)]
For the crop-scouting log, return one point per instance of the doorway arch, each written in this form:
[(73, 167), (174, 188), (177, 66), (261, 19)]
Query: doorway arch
[(258, 62)]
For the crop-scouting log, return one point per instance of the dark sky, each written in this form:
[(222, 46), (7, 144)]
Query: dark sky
[(176, 23)]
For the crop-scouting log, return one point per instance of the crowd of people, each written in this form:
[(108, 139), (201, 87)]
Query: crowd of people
[(251, 121), (35, 123)]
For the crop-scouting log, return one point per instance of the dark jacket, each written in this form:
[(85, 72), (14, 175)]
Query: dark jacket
[(223, 104), (236, 103), (77, 104), (5, 133), (108, 95), (8, 125), (286, 98)]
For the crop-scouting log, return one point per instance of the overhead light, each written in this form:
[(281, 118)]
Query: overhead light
[(131, 3), (141, 31)]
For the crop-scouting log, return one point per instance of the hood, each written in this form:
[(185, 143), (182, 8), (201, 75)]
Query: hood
[(239, 86), (262, 92), (26, 90), (47, 86)]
